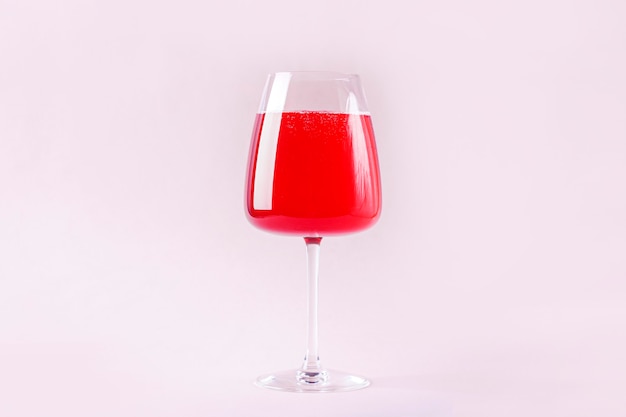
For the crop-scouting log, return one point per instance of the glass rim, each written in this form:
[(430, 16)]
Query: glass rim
[(322, 74), (329, 91)]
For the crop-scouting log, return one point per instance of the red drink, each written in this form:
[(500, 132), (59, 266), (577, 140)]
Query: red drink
[(313, 173)]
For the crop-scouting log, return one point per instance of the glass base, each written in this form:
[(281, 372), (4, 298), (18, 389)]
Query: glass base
[(332, 381)]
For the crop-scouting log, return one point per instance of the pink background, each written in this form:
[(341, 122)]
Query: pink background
[(132, 285)]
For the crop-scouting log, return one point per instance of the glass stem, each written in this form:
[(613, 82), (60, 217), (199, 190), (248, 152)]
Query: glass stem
[(312, 371)]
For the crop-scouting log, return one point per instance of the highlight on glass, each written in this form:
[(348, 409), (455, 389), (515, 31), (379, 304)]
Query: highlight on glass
[(313, 172)]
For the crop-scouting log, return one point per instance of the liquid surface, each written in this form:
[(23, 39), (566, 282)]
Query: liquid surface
[(313, 173)]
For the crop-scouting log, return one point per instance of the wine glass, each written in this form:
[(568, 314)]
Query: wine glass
[(313, 172)]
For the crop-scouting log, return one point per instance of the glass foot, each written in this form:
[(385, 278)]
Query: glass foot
[(294, 381)]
